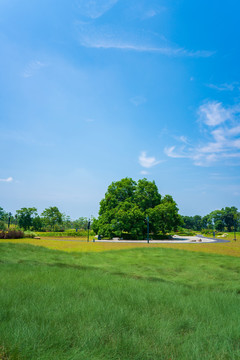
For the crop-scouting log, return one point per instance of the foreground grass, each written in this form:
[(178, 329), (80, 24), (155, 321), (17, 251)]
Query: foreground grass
[(81, 245), (136, 304)]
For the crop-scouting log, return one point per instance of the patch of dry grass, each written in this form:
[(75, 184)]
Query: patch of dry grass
[(71, 244)]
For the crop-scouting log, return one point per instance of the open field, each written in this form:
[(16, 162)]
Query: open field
[(132, 304), (232, 248)]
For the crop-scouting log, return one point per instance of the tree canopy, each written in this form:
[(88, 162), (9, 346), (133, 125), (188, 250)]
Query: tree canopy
[(52, 216), (225, 219), (126, 205), (26, 216)]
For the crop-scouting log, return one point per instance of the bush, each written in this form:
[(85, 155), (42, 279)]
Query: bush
[(70, 232), (11, 234), (29, 234), (207, 232), (186, 233)]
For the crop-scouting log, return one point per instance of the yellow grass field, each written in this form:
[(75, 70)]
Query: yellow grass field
[(232, 248)]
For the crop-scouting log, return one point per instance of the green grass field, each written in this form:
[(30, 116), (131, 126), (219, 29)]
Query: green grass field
[(137, 303)]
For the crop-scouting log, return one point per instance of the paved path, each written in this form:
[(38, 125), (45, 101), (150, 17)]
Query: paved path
[(199, 239)]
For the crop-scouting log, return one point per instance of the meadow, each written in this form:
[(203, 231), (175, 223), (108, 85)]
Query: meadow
[(80, 244), (98, 301)]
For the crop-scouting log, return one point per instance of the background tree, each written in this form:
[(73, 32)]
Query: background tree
[(3, 215), (229, 214), (37, 223), (217, 219), (81, 223), (188, 222), (52, 217), (25, 217), (3, 219), (221, 220), (66, 221)]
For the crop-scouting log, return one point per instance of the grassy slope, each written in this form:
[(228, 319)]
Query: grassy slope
[(136, 304)]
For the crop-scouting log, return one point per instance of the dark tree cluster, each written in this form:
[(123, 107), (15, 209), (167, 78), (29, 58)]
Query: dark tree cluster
[(51, 219), (226, 219)]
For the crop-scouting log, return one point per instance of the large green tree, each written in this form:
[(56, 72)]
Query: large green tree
[(164, 217), (25, 217), (126, 205)]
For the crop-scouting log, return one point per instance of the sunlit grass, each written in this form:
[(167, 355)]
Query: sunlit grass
[(81, 245)]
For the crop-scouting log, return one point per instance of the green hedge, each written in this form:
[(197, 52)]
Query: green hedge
[(71, 232)]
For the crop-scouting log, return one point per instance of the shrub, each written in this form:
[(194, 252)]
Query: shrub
[(70, 232), (186, 233), (207, 232), (11, 234), (29, 234)]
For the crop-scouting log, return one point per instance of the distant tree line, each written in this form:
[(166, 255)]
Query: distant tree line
[(226, 219), (51, 219)]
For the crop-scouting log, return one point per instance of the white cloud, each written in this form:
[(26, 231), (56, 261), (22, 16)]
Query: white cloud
[(10, 179), (235, 130), (108, 38), (224, 87), (121, 45), (147, 162), (95, 8), (144, 172), (222, 144), (182, 139), (170, 151), (32, 67), (214, 113)]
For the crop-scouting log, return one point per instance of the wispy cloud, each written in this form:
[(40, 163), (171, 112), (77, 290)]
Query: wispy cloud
[(32, 67), (224, 87), (121, 45), (95, 8), (108, 38), (9, 179), (138, 100), (214, 113), (222, 127), (147, 162), (173, 153), (183, 139)]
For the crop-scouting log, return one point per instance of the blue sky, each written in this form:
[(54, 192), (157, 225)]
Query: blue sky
[(92, 91)]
